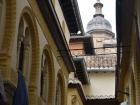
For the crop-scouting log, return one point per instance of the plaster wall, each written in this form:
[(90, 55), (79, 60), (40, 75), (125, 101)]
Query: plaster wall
[(101, 84)]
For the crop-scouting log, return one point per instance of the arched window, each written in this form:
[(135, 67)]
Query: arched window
[(20, 45), (44, 77), (24, 48), (58, 100)]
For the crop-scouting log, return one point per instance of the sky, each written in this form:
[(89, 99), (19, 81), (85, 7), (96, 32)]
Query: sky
[(87, 11)]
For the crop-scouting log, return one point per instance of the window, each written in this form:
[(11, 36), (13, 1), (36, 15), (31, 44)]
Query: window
[(20, 46), (58, 92), (24, 48), (44, 80)]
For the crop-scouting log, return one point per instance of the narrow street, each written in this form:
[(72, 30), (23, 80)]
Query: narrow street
[(50, 56)]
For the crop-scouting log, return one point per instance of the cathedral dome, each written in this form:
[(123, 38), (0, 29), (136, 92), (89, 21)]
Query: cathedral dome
[(98, 22)]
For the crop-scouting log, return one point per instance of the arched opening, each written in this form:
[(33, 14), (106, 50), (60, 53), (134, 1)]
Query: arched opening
[(47, 76), (24, 48), (44, 80), (21, 57), (60, 90), (28, 47), (58, 100)]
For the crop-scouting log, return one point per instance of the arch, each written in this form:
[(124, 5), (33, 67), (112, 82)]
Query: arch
[(27, 15), (24, 48), (61, 82), (51, 74), (44, 79)]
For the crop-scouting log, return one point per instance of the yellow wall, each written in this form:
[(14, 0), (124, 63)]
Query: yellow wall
[(8, 51), (73, 97)]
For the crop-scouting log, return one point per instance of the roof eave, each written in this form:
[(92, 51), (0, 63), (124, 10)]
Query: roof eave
[(51, 19)]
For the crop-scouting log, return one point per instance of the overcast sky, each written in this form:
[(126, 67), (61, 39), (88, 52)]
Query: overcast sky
[(87, 10)]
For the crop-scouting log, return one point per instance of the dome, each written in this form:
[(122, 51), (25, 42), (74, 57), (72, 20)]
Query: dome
[(99, 23)]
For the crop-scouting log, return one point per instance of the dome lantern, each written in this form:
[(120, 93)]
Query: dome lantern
[(98, 8)]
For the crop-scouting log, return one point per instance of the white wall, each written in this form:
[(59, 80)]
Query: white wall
[(101, 84)]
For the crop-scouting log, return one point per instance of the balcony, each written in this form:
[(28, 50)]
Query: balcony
[(96, 63)]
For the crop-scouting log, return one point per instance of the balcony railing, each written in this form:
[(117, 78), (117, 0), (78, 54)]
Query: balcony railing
[(103, 62)]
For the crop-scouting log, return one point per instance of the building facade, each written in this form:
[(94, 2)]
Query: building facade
[(62, 67), (34, 37), (128, 28)]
